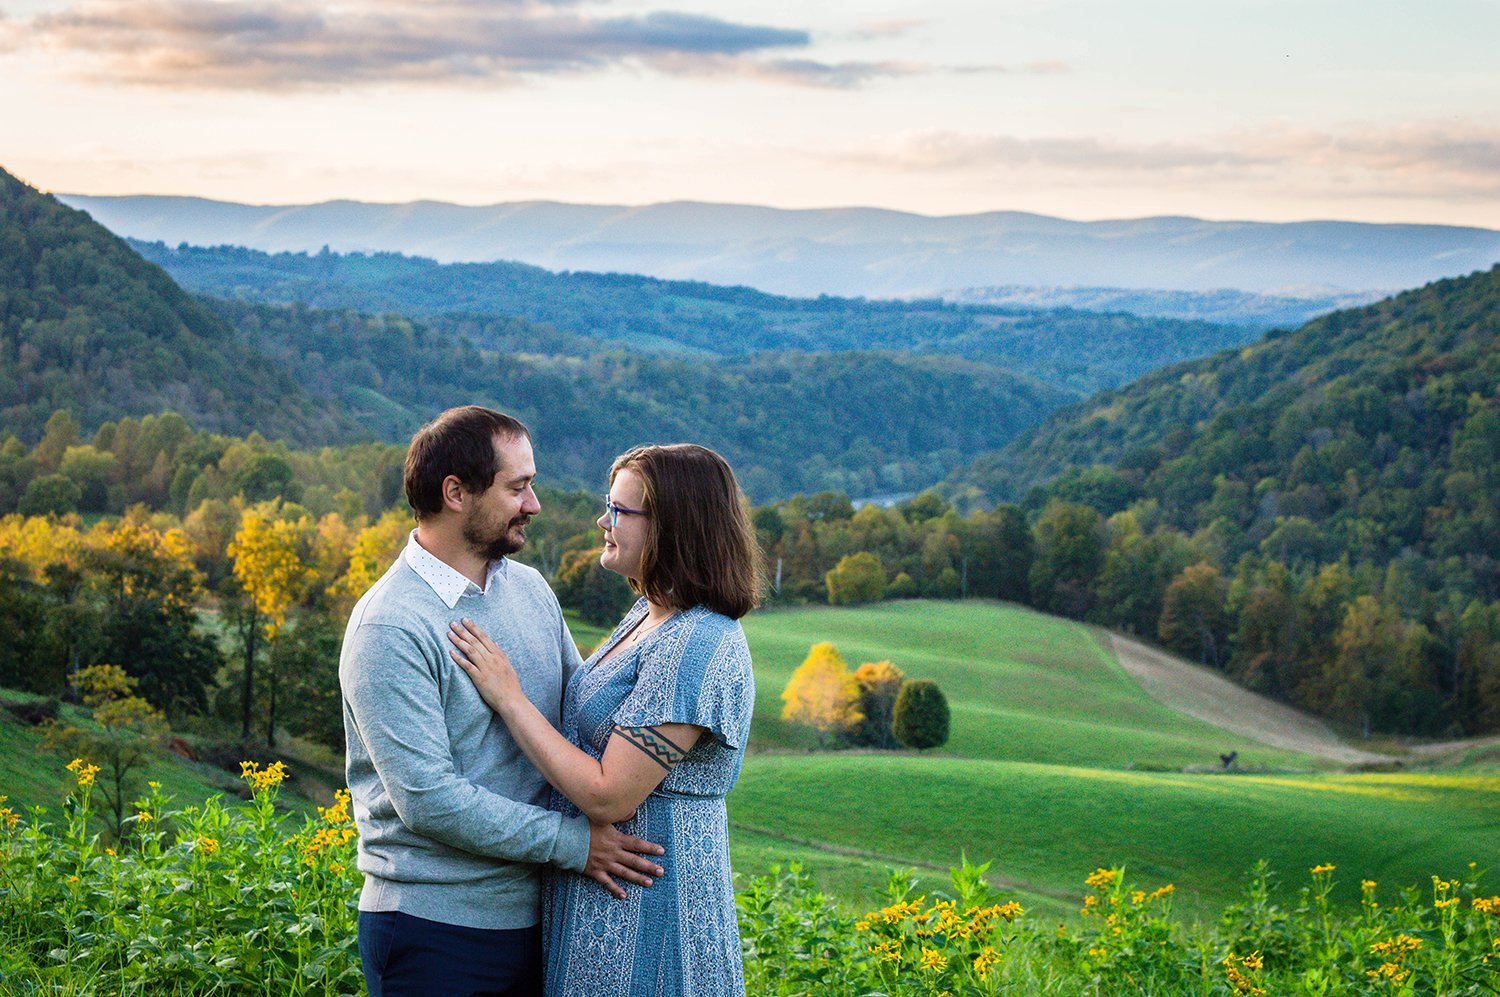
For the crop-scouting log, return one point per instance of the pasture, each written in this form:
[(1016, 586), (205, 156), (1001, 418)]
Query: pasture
[(1060, 763)]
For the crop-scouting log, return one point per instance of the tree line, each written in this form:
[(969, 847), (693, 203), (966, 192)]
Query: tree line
[(217, 570)]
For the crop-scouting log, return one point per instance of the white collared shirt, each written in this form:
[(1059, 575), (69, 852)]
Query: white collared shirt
[(448, 582)]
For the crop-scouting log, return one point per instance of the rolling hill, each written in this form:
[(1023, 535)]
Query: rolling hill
[(845, 251), (1072, 350), (87, 325), (1392, 384), (91, 327), (1059, 762)]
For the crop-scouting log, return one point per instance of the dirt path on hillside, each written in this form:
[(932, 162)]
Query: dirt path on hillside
[(1212, 698)]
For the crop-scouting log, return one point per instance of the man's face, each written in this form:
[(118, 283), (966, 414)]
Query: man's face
[(494, 523)]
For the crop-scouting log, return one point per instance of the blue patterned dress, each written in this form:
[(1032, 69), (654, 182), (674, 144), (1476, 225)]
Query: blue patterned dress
[(677, 938)]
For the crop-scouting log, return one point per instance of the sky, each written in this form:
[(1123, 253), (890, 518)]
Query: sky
[(1369, 110)]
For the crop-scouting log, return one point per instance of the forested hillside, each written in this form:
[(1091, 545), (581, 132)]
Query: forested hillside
[(1337, 486), (87, 325), (92, 329), (1074, 350), (856, 422)]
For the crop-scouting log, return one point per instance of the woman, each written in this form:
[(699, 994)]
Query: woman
[(655, 723)]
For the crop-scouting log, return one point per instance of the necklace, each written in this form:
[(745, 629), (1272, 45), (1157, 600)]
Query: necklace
[(641, 629)]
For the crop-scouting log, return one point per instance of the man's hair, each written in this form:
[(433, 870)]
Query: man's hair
[(460, 442), (700, 545)]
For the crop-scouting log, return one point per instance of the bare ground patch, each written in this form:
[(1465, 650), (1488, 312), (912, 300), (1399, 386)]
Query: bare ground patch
[(1210, 697)]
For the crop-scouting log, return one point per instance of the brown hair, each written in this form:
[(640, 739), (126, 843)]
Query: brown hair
[(460, 442), (700, 545)]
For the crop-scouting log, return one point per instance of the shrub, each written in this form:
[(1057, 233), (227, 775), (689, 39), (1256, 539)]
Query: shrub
[(920, 719)]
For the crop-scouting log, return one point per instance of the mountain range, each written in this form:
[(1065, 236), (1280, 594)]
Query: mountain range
[(847, 251)]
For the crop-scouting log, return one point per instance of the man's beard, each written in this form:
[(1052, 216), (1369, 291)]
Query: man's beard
[(492, 547)]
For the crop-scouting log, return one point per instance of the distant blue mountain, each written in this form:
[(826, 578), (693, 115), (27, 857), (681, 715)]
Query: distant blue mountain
[(846, 251)]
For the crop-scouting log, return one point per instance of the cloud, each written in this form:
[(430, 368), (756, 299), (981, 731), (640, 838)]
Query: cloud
[(295, 44), (1408, 160)]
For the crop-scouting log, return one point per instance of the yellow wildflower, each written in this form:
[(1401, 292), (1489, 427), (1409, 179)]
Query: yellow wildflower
[(986, 958), (84, 771), (1487, 905), (263, 778), (1253, 960), (207, 846), (1102, 879), (1137, 897), (8, 816), (862, 925), (1319, 870), (1010, 911), (1367, 885), (144, 817), (1164, 891), (110, 852), (1441, 904), (933, 960)]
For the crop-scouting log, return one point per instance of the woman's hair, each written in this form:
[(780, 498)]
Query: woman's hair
[(460, 442), (700, 545)]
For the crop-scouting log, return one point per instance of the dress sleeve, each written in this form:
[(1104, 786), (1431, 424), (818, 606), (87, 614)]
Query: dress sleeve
[(699, 673)]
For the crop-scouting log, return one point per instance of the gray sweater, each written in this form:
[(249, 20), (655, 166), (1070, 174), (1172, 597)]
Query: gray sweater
[(452, 818)]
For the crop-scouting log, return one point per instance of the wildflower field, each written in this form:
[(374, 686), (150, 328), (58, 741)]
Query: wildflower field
[(240, 898)]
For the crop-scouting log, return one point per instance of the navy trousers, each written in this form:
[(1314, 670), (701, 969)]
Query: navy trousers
[(405, 956)]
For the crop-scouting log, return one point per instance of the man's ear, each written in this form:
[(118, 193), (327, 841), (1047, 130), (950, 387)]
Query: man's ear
[(454, 494)]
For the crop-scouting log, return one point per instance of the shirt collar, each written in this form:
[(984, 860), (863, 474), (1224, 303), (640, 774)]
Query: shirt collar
[(449, 584)]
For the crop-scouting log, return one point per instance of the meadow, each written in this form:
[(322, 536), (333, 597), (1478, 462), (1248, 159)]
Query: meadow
[(1059, 763)]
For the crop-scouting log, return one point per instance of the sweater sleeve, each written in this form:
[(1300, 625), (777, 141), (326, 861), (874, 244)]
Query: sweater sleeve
[(397, 712)]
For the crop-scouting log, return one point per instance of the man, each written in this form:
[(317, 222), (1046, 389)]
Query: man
[(453, 827)]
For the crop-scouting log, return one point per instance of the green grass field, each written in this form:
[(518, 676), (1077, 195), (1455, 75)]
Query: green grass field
[(1058, 763)]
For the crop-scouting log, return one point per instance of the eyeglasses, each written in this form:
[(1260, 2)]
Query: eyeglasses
[(612, 509)]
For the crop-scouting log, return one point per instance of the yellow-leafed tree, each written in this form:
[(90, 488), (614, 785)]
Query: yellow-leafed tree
[(268, 553), (822, 694), (879, 684), (375, 548)]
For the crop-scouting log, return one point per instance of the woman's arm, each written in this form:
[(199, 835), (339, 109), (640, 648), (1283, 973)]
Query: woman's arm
[(636, 759)]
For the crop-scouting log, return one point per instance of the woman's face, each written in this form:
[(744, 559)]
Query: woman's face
[(625, 540)]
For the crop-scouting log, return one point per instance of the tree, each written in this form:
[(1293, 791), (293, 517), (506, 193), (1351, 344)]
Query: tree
[(144, 587), (50, 495), (375, 549), (821, 694), (269, 566), (1069, 553), (879, 684), (130, 731), (857, 578), (920, 719), (1193, 621), (599, 595)]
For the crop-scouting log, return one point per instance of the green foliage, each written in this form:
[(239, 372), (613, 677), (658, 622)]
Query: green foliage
[(1126, 940), (1077, 351), (89, 326), (125, 732), (920, 717), (50, 495), (599, 595), (1368, 439), (855, 579), (1069, 553), (200, 899)]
